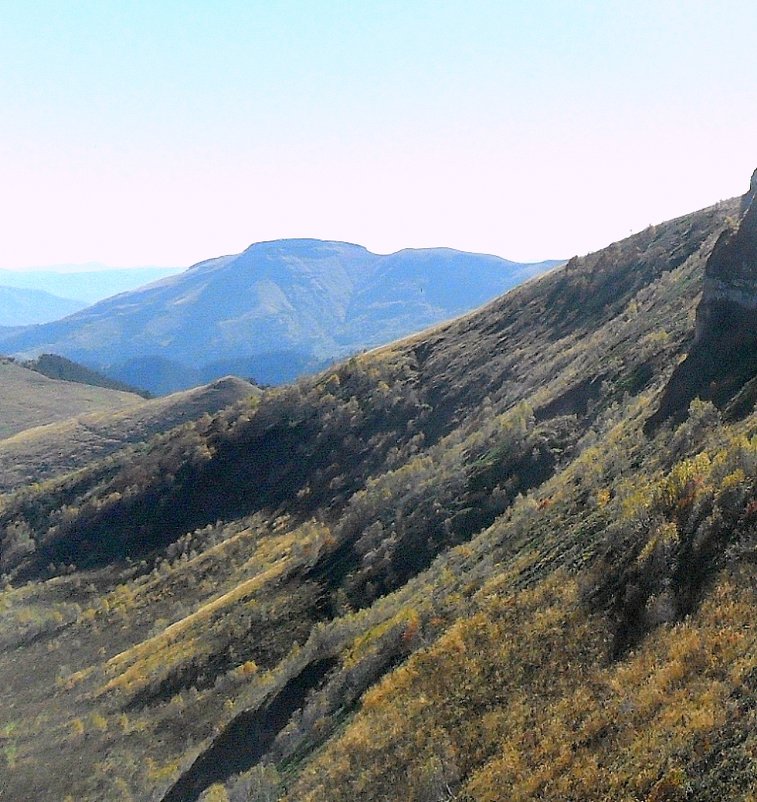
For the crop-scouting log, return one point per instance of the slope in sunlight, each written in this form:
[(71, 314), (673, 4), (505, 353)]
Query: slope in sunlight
[(42, 452)]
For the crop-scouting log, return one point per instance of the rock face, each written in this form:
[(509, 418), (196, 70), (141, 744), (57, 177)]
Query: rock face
[(751, 194), (729, 299), (722, 364)]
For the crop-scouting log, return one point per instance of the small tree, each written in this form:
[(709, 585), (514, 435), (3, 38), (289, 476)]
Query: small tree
[(216, 793)]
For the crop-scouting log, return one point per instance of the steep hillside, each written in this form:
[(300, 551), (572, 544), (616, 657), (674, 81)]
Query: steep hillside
[(42, 452), (31, 399), (456, 567), (276, 311), (22, 307)]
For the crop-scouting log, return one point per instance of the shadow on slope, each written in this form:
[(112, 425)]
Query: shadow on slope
[(248, 737)]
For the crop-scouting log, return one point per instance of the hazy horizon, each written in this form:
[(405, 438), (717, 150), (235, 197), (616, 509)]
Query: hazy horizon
[(93, 267), (85, 267)]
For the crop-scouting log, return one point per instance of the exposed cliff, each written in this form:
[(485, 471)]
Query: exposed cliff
[(722, 363), (729, 299)]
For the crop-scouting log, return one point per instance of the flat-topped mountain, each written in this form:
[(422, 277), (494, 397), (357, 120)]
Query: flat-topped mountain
[(274, 311)]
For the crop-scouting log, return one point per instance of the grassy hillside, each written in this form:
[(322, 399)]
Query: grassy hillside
[(31, 399), (42, 452), (458, 567)]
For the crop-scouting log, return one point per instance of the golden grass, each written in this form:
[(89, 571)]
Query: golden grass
[(157, 650)]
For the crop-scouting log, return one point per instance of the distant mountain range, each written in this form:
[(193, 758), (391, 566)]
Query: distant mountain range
[(21, 307), (273, 312), (86, 283)]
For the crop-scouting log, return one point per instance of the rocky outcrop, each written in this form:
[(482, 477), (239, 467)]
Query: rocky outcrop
[(729, 298), (751, 194), (722, 364)]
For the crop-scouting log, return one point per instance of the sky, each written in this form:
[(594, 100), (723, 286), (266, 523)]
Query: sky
[(163, 133)]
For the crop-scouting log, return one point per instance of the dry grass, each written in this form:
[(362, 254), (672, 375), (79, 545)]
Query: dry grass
[(30, 399)]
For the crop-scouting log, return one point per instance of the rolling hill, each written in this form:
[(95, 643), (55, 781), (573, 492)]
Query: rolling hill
[(58, 367), (32, 399), (42, 452), (276, 311), (511, 557)]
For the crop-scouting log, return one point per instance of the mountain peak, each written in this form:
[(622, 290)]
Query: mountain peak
[(303, 245), (279, 309)]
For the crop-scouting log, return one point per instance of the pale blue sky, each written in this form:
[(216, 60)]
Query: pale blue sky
[(169, 132)]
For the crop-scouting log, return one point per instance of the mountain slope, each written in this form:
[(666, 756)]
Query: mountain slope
[(22, 307), (455, 567), (31, 399), (272, 312)]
